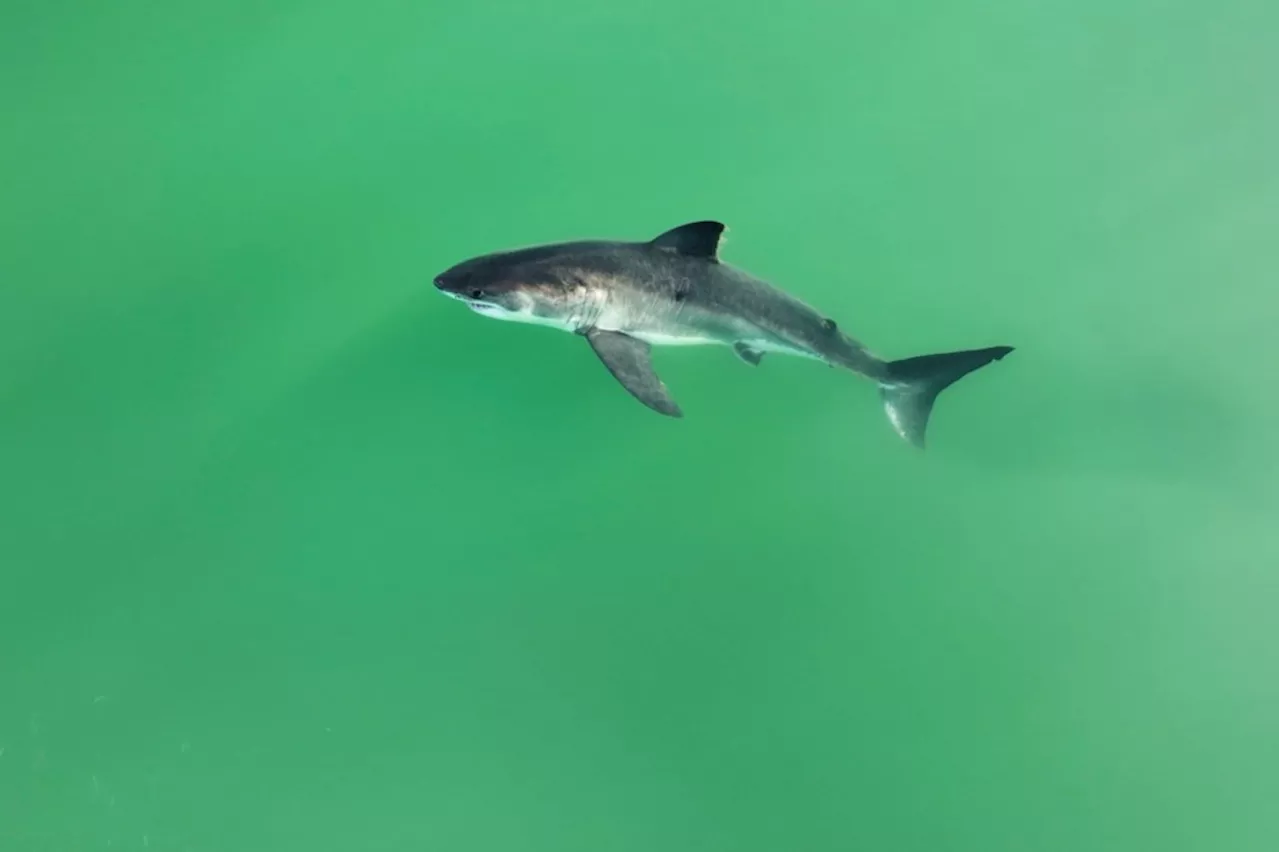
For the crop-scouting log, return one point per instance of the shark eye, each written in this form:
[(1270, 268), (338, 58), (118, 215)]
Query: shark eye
[(477, 294)]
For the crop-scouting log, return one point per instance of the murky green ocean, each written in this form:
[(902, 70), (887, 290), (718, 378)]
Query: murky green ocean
[(296, 554)]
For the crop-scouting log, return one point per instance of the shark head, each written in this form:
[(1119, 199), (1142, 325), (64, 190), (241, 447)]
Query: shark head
[(539, 286), (488, 287)]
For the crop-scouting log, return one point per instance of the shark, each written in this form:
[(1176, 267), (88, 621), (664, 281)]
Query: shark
[(626, 297)]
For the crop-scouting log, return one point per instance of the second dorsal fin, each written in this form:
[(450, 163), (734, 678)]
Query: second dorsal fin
[(696, 239)]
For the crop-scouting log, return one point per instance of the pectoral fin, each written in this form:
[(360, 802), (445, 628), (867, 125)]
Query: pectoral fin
[(629, 361), (746, 353)]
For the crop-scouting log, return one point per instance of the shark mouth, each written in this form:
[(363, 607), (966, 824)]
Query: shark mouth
[(479, 307)]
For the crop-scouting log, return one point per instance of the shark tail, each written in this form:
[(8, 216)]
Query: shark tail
[(912, 385)]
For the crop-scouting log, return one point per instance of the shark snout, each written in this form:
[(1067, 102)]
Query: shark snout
[(460, 285)]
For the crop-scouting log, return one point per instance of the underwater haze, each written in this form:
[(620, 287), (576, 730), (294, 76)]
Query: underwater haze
[(297, 554)]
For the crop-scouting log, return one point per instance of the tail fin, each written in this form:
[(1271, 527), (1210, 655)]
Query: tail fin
[(914, 383)]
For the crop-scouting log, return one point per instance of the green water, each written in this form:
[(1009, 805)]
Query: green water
[(296, 554)]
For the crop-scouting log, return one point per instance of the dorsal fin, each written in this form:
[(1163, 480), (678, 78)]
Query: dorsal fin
[(696, 239)]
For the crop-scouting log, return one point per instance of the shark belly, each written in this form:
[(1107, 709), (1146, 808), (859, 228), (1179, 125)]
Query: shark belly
[(675, 337), (693, 325), (668, 325), (724, 333)]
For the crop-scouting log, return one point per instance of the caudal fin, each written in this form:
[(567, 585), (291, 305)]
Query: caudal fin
[(914, 383)]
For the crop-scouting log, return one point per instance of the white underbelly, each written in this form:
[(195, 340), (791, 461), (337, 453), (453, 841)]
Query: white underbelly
[(677, 338), (693, 338), (692, 334)]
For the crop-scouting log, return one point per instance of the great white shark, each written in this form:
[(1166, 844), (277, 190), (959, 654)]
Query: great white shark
[(673, 290)]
